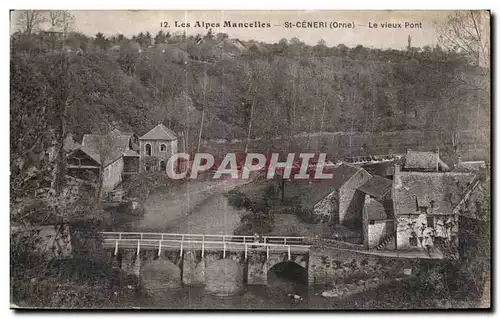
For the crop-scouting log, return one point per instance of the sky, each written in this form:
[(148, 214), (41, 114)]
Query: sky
[(129, 22)]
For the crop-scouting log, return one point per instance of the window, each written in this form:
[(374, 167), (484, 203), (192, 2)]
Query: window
[(430, 221), (163, 148), (163, 166), (372, 222), (413, 241), (148, 149)]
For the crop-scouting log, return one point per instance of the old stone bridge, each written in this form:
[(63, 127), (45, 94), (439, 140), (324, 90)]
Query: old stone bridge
[(196, 255)]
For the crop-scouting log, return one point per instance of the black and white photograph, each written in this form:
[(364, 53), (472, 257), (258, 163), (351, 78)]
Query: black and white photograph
[(250, 159)]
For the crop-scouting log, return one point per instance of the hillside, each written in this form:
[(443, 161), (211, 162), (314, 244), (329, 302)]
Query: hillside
[(283, 89)]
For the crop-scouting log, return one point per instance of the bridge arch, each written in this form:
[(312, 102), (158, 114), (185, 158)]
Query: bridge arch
[(288, 270)]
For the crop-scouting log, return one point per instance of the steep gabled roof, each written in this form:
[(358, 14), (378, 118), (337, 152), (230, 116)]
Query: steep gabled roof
[(159, 132), (112, 146), (439, 192), (377, 186), (87, 152), (375, 210), (344, 173), (311, 194)]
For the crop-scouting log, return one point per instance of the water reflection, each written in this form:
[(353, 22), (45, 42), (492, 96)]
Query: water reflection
[(225, 289)]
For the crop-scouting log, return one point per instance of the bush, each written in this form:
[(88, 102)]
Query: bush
[(236, 199), (305, 215)]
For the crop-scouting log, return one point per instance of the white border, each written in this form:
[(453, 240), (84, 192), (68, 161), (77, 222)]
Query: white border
[(192, 4)]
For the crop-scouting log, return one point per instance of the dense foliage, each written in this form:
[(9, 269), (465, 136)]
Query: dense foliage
[(282, 89)]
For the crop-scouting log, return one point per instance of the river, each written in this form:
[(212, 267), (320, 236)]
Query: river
[(200, 207)]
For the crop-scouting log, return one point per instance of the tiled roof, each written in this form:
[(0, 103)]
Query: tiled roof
[(311, 194), (381, 169), (159, 132), (375, 210), (93, 155), (114, 145), (421, 160), (442, 190), (343, 173), (377, 186)]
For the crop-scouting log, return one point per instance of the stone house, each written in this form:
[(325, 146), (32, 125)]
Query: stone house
[(156, 147), (336, 200), (426, 206), (379, 225)]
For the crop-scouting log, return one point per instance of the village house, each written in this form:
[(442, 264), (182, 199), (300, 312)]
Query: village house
[(426, 207), (379, 225), (336, 200), (115, 154), (156, 147)]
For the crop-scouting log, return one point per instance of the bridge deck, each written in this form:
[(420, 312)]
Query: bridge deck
[(285, 240), (181, 242)]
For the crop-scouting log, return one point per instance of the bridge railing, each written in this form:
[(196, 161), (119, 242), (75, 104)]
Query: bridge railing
[(204, 237), (225, 246)]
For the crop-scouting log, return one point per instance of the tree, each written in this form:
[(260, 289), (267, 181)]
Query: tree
[(467, 32), (62, 20), (160, 37), (222, 36), (30, 20), (147, 39), (144, 39), (210, 34), (204, 89), (101, 41)]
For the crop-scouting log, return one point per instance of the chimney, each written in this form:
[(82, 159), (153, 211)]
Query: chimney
[(397, 176)]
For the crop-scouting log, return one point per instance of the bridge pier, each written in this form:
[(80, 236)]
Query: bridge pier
[(130, 262), (193, 268), (257, 268)]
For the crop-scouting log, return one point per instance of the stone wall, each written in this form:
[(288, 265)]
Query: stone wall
[(327, 209), (378, 231), (171, 148), (324, 267), (329, 266)]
